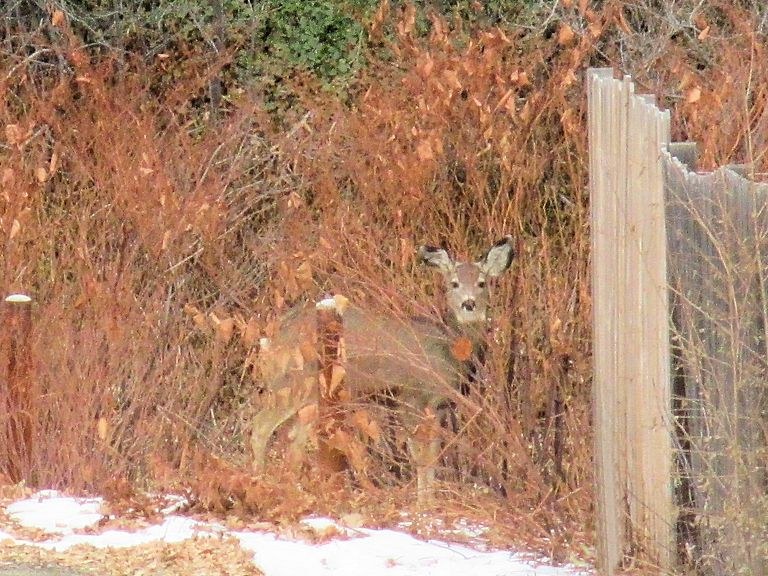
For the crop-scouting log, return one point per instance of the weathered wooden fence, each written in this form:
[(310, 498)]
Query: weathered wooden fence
[(717, 226), (680, 290)]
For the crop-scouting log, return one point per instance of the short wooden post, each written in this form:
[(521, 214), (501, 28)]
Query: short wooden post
[(17, 385), (332, 393)]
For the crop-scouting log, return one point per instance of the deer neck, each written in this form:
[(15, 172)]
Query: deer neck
[(468, 339)]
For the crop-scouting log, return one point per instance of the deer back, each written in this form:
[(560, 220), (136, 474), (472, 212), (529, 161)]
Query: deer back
[(383, 355)]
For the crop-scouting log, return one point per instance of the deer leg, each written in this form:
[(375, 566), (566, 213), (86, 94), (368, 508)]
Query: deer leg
[(265, 424), (425, 450), (425, 471)]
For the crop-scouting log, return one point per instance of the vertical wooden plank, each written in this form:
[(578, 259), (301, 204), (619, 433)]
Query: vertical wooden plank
[(612, 392), (684, 276), (610, 534), (711, 315), (699, 205), (747, 370), (634, 359), (648, 464), (657, 427), (624, 348), (755, 394)]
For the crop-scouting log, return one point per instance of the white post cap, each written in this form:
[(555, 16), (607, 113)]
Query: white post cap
[(18, 299)]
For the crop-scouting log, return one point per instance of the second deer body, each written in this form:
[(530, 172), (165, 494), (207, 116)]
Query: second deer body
[(418, 364)]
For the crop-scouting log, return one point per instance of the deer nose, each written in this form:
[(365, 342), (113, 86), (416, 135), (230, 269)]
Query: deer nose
[(468, 305)]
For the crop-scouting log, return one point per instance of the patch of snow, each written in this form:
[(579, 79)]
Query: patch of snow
[(173, 529), (385, 552), (49, 511), (373, 552)]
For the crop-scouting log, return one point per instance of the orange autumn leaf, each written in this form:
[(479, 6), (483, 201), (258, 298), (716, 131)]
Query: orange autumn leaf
[(461, 349)]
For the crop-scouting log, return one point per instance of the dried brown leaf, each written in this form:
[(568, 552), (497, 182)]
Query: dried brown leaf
[(565, 34), (8, 176), (102, 429), (308, 414), (366, 425), (13, 134), (224, 330), (452, 78), (693, 95), (15, 229), (57, 18), (338, 373), (250, 332), (461, 349), (304, 274), (424, 151)]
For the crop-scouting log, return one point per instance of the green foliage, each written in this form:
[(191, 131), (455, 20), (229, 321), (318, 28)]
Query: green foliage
[(320, 36), (491, 12), (270, 38), (271, 42)]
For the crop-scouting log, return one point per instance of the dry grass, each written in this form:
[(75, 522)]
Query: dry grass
[(201, 555), (159, 243)]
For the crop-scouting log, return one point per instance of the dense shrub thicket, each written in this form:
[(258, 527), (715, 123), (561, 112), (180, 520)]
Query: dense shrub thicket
[(173, 175)]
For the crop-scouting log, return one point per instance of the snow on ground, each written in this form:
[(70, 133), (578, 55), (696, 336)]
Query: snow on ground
[(380, 552)]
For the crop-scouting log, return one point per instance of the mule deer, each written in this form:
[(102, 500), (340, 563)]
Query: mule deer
[(419, 364)]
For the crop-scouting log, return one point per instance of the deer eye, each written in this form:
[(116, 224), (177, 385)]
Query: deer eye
[(481, 284), (454, 284)]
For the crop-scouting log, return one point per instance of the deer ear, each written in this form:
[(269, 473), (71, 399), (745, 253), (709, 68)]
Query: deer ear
[(498, 258), (436, 257)]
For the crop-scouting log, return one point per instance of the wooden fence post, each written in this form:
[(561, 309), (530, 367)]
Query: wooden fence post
[(631, 381), (332, 394), (17, 385)]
